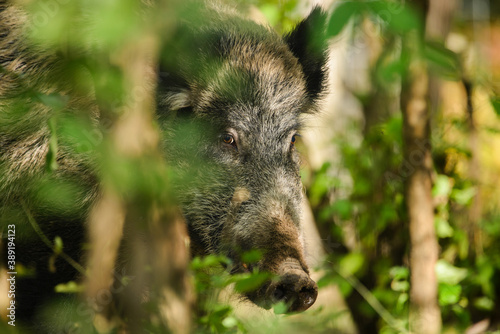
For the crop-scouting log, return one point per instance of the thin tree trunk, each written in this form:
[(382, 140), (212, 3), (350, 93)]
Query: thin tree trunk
[(425, 314), (154, 231)]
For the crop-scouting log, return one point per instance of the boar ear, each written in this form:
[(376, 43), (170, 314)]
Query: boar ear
[(173, 92), (308, 43)]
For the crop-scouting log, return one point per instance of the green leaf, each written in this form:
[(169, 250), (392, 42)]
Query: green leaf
[(55, 101), (449, 294), (69, 287), (229, 322), (399, 273), (351, 264), (400, 19), (58, 245), (252, 282), (271, 12), (402, 300), (400, 286), (463, 196), (341, 16), (252, 256), (442, 186), (443, 228), (449, 274), (209, 261), (484, 303), (343, 208), (495, 103), (390, 71), (443, 60), (61, 195), (327, 279), (280, 308)]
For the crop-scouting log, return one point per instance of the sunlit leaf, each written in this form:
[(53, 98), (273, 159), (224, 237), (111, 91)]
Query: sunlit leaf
[(208, 261), (442, 186), (463, 196), (449, 294), (402, 300), (399, 273), (484, 303), (400, 286), (443, 228), (58, 245), (69, 287), (229, 322), (271, 12), (449, 274), (351, 264)]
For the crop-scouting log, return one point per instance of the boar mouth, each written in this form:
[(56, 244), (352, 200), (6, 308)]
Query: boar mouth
[(294, 288)]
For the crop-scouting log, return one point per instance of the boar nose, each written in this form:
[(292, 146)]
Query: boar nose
[(296, 289)]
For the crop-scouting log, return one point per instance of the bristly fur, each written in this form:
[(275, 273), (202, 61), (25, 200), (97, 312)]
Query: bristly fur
[(309, 44)]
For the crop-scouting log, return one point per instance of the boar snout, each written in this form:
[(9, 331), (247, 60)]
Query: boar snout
[(295, 288)]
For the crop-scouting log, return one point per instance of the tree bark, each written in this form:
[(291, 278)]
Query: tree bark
[(425, 314), (154, 232)]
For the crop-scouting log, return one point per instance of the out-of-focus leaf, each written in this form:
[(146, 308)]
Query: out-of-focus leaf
[(252, 282), (280, 308), (449, 294), (343, 208), (58, 245), (208, 261), (252, 256), (341, 16), (463, 196), (351, 264), (65, 196), (70, 287), (389, 72), (399, 273), (400, 277), (443, 60), (399, 18), (442, 186), (484, 303), (443, 228), (400, 286), (229, 322), (495, 102), (449, 274), (271, 12), (402, 300)]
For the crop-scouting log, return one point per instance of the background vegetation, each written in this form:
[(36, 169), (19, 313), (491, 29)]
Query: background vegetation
[(356, 189)]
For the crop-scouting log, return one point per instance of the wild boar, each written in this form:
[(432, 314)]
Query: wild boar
[(241, 86)]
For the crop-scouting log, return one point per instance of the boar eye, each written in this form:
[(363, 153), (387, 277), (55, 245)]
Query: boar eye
[(228, 139), (293, 140)]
